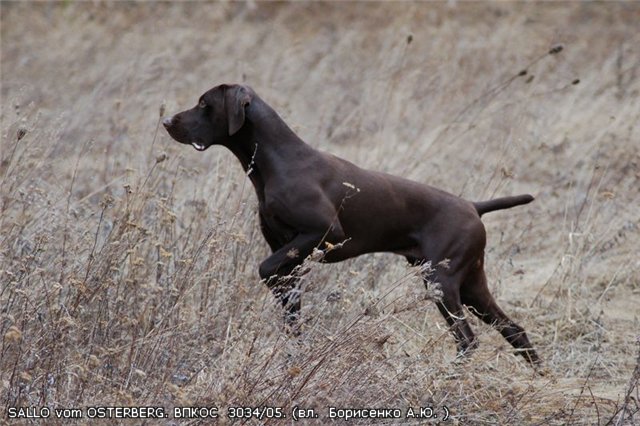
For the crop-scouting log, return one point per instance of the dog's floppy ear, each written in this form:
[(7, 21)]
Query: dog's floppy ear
[(236, 98)]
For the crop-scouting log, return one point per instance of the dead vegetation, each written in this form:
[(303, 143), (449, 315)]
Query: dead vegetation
[(128, 264)]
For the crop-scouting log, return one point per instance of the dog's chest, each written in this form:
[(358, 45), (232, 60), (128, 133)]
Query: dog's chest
[(274, 227)]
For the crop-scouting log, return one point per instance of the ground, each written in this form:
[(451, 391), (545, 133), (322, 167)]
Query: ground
[(128, 262)]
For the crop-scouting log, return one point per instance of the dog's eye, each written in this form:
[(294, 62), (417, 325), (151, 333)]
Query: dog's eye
[(202, 103)]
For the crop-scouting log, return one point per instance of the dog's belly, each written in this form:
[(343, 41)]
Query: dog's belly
[(414, 252), (355, 246)]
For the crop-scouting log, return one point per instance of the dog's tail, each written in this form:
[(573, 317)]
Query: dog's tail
[(502, 203)]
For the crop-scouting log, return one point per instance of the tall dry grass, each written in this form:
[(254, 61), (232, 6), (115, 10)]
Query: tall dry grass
[(128, 263)]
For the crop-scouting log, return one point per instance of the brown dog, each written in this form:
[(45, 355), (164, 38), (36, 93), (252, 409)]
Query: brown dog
[(310, 199)]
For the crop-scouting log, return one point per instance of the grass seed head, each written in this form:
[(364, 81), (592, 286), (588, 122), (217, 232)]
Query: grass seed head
[(556, 49), (22, 131), (13, 334)]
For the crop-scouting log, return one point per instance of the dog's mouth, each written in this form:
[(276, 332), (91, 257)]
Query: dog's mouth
[(198, 146)]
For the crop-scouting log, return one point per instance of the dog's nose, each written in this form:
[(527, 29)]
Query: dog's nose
[(166, 122)]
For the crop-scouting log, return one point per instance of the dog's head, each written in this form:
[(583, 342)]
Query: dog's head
[(219, 114)]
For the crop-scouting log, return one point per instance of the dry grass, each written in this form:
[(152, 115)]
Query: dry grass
[(128, 263)]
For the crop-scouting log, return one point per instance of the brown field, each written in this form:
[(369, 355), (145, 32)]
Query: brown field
[(128, 262)]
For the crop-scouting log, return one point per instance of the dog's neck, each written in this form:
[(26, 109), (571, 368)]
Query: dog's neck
[(265, 152)]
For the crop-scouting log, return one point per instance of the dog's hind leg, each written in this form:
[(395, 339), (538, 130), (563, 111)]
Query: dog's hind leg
[(450, 306), (476, 295)]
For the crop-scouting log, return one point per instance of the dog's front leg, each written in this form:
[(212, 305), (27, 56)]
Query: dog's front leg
[(278, 272)]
